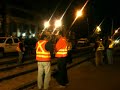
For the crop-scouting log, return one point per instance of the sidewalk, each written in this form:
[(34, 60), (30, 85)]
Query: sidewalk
[(86, 76)]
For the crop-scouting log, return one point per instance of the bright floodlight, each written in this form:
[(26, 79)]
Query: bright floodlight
[(46, 24), (79, 13), (58, 23)]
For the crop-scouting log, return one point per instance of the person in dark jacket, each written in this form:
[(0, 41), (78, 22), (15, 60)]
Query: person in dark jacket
[(61, 55), (69, 54), (50, 47)]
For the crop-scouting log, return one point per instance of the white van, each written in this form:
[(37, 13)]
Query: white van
[(8, 44)]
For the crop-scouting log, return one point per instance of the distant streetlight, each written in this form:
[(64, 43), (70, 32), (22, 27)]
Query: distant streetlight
[(79, 14)]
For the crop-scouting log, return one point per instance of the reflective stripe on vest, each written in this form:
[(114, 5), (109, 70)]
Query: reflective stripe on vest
[(42, 54), (61, 52), (101, 47)]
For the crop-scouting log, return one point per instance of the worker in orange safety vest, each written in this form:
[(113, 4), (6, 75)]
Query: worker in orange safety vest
[(44, 66)]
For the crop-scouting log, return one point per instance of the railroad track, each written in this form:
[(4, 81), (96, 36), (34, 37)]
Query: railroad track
[(14, 59), (11, 63), (15, 69)]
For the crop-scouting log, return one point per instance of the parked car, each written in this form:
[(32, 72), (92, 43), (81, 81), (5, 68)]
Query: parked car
[(8, 45), (83, 42)]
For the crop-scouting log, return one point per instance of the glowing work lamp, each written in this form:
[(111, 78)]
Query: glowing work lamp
[(58, 23)]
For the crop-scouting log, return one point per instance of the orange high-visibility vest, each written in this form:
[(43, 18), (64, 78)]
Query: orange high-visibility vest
[(41, 53), (61, 47)]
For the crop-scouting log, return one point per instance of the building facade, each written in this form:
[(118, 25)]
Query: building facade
[(17, 22)]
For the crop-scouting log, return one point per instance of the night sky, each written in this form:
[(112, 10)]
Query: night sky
[(94, 12)]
